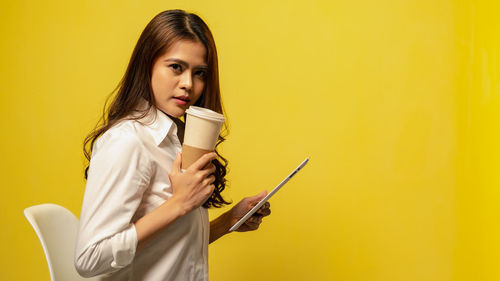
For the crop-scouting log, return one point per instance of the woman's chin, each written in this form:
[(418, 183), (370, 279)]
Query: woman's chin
[(178, 112), (175, 112)]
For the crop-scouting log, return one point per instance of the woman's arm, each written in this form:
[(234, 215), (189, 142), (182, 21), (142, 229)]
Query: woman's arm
[(119, 173), (221, 225)]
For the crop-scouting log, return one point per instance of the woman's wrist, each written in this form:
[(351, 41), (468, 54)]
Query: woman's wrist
[(179, 207), (220, 226)]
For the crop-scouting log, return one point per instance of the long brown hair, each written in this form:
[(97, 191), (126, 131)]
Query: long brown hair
[(161, 32)]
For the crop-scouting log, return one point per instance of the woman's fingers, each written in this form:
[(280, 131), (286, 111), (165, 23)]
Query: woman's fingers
[(203, 161), (252, 224), (255, 219), (210, 190), (264, 210), (176, 165), (195, 185), (253, 200), (210, 169), (209, 180)]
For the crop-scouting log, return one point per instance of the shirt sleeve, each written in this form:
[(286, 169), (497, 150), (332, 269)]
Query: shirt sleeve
[(119, 173)]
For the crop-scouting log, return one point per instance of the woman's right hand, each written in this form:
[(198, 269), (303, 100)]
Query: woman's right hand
[(194, 186)]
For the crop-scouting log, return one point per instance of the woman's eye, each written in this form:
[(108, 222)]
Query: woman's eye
[(176, 67), (201, 74)]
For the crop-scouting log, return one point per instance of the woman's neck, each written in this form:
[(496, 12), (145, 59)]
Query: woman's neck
[(180, 128)]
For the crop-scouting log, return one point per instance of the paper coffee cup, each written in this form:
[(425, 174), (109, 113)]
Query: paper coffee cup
[(201, 133)]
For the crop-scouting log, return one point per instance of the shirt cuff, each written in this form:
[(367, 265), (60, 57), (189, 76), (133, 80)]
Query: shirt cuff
[(123, 246)]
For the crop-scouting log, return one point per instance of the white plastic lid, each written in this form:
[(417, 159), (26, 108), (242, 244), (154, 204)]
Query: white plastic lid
[(205, 113)]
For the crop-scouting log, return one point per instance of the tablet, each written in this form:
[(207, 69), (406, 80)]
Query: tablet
[(264, 200)]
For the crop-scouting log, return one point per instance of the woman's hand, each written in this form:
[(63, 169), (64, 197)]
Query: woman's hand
[(245, 205), (194, 186), (190, 190), (221, 225)]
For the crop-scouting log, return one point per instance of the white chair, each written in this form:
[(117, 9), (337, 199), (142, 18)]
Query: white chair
[(56, 228)]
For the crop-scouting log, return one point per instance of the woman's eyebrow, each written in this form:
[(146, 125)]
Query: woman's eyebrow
[(179, 61)]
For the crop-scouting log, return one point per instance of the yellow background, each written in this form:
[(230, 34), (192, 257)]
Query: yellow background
[(397, 103)]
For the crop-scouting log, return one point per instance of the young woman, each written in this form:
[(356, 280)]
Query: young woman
[(142, 219)]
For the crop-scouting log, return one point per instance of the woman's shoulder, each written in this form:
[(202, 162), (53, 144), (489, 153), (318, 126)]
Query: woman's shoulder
[(125, 132), (121, 146)]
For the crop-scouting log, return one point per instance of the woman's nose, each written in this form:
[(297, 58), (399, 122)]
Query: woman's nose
[(186, 82)]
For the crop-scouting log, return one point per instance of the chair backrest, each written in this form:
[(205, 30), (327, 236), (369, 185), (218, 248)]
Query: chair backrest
[(56, 228)]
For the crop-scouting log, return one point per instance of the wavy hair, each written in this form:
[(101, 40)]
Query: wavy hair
[(161, 32)]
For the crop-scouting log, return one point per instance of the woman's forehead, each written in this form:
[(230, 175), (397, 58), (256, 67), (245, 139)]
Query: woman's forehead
[(192, 52)]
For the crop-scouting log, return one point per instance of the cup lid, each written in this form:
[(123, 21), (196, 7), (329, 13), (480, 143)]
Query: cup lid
[(205, 113)]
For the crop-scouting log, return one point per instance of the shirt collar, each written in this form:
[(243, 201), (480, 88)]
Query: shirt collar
[(159, 125)]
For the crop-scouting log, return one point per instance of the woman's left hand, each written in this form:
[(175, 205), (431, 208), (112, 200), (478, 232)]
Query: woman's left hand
[(245, 205)]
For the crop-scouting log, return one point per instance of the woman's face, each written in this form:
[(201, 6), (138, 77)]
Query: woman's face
[(178, 77)]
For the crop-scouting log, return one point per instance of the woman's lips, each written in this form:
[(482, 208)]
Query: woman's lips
[(181, 100)]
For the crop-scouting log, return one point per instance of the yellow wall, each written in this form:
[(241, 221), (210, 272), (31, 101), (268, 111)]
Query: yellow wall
[(477, 249), (396, 102)]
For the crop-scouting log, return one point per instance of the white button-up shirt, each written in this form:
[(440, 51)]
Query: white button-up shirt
[(128, 178)]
